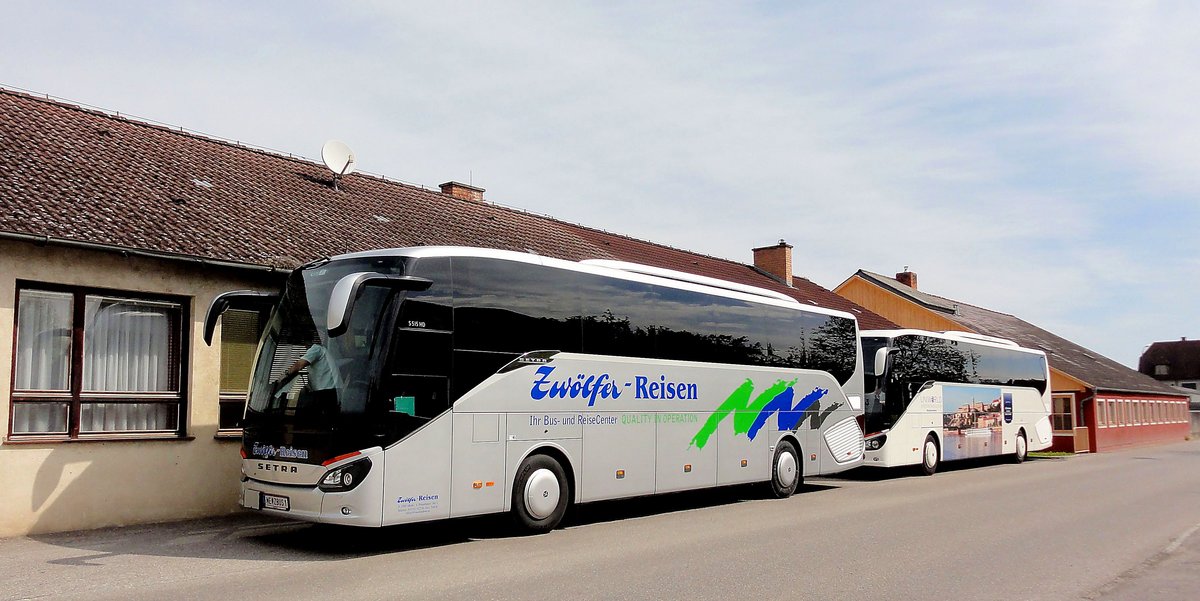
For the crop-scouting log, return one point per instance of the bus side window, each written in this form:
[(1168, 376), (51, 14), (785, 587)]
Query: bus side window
[(619, 316), (832, 345), (695, 326), (429, 309), (507, 307)]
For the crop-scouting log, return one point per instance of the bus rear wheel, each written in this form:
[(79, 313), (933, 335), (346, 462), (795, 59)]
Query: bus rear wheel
[(540, 494), (931, 455), (785, 470), (1022, 447)]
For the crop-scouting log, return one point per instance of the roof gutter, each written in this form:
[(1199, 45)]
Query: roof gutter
[(134, 252)]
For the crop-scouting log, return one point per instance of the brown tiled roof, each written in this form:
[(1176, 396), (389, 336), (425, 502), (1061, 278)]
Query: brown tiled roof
[(1182, 358), (74, 174), (1072, 359)]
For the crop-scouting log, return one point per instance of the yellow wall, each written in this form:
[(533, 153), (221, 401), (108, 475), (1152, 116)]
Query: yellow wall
[(49, 487), (900, 311), (908, 314), (1061, 382)]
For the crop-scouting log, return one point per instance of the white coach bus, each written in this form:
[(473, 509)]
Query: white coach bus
[(426, 383), (934, 397)]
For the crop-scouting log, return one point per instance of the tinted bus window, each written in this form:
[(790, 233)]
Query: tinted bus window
[(694, 326), (832, 345), (507, 306), (780, 333), (803, 340), (619, 316), (428, 309), (922, 359), (416, 385)]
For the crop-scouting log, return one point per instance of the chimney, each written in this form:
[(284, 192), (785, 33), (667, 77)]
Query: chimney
[(462, 191), (775, 260), (907, 278)]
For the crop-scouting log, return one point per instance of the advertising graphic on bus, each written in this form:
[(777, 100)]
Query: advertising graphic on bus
[(427, 383)]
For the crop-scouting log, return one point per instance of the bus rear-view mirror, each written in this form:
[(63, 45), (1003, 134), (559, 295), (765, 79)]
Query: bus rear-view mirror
[(237, 299), (349, 288), (881, 356)]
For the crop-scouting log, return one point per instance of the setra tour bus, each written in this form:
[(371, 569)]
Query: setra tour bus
[(426, 383), (942, 396)]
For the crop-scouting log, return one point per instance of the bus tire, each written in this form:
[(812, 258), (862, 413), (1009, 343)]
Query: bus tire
[(1022, 446), (786, 474), (540, 494), (931, 455)]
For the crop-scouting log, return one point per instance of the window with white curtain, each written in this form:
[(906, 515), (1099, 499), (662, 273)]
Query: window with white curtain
[(90, 363)]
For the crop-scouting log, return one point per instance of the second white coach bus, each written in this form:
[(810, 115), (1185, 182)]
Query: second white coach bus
[(941, 396), (426, 383)]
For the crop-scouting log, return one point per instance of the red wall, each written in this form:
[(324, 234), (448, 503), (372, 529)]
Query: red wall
[(1124, 436)]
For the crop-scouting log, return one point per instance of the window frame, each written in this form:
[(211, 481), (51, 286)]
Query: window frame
[(75, 397), (225, 398), (1058, 418)]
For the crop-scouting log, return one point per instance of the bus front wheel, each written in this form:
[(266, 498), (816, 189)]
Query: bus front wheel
[(785, 470), (931, 455), (540, 494), (1022, 447)]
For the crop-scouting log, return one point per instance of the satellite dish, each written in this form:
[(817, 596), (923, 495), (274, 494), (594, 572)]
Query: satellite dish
[(338, 158)]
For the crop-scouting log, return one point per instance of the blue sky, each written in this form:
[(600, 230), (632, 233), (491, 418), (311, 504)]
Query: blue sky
[(1034, 158)]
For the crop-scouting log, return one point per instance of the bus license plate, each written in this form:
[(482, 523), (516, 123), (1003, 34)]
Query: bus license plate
[(275, 502)]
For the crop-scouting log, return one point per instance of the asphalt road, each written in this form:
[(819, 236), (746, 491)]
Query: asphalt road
[(1109, 527)]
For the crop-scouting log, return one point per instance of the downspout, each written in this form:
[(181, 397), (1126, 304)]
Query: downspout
[(1093, 427)]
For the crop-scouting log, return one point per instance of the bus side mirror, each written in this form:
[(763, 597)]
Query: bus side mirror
[(348, 289), (237, 299), (881, 356)]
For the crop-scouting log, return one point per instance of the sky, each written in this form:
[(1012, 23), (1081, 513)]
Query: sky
[(1040, 159)]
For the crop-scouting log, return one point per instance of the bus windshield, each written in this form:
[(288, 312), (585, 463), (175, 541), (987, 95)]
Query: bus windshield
[(879, 415), (310, 392)]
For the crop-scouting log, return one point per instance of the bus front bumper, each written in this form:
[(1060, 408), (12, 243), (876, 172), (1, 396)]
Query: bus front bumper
[(358, 507)]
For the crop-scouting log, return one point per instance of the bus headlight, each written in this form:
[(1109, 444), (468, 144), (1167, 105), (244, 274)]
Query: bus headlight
[(346, 477), (874, 444)]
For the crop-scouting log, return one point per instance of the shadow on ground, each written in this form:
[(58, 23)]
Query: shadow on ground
[(878, 474), (256, 537)]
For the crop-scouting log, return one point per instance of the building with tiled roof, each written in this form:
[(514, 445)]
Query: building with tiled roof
[(1099, 403), (104, 219), (81, 177)]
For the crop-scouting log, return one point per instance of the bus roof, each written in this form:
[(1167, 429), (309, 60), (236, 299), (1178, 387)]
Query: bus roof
[(952, 335), (621, 270)]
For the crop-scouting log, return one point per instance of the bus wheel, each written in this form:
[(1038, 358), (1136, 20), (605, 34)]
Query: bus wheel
[(930, 455), (785, 470), (1022, 447), (540, 494)]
